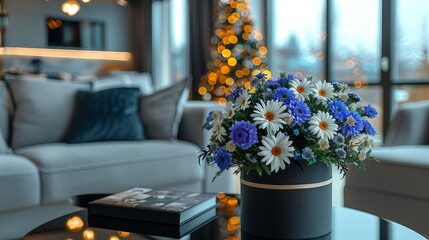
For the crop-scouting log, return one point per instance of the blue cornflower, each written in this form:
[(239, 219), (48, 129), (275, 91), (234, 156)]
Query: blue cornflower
[(244, 134), (296, 132), (339, 139), (299, 111), (297, 155), (271, 84), (255, 82), (234, 94), (223, 158), (353, 124), (285, 79), (340, 153), (284, 95), (209, 121), (307, 153), (337, 86), (353, 97), (338, 109), (370, 111), (261, 75), (368, 128)]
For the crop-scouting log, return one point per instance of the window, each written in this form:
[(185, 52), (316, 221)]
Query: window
[(411, 62), (356, 41), (297, 37), (170, 28)]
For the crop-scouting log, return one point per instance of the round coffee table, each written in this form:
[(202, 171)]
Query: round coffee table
[(347, 224)]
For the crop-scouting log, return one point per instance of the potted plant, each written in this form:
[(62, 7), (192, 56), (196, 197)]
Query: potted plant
[(282, 136)]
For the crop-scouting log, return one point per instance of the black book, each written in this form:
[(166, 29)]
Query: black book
[(153, 205), (151, 228)]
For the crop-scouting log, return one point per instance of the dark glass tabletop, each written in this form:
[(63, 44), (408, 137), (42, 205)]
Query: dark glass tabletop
[(347, 224)]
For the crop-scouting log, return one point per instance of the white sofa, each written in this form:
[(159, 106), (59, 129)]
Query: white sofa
[(397, 187), (39, 171)]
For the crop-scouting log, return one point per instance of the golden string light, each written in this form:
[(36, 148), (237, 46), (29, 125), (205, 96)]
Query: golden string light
[(237, 52)]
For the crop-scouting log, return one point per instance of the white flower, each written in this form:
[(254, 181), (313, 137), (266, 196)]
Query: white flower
[(368, 143), (217, 116), (302, 89), (362, 155), (219, 131), (230, 146), (229, 110), (324, 144), (276, 151), (269, 116), (323, 91), (323, 125), (242, 102), (343, 97), (288, 119)]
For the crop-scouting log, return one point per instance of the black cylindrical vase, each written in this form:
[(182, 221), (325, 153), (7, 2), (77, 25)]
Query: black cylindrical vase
[(294, 203)]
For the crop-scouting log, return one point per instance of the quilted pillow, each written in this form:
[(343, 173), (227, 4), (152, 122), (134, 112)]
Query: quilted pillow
[(162, 111), (107, 115)]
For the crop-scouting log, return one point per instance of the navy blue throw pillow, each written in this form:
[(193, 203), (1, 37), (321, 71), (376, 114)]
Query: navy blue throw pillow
[(108, 115)]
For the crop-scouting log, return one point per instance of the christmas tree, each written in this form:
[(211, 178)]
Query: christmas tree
[(237, 53)]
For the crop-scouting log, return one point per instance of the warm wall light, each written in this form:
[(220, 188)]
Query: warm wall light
[(122, 2), (66, 53)]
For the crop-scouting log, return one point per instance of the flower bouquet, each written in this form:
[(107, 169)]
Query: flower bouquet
[(289, 120), (299, 125)]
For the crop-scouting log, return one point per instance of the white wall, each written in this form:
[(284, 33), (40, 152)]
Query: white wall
[(27, 22)]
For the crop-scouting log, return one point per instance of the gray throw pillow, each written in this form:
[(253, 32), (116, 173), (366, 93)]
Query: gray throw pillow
[(44, 109), (162, 111)]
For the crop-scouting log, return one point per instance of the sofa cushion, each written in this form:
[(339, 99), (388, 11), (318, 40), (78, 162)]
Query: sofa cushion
[(99, 167), (21, 179), (44, 110), (404, 130), (107, 115), (162, 111), (388, 175)]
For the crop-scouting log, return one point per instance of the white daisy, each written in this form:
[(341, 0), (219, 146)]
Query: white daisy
[(218, 131), (242, 102), (276, 151), (229, 110), (323, 91), (302, 89), (323, 125), (270, 115), (217, 115)]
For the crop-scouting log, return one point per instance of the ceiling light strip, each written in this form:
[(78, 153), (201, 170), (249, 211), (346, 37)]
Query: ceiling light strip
[(66, 53)]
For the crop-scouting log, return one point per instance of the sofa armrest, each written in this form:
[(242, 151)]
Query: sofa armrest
[(191, 130), (409, 125), (194, 116)]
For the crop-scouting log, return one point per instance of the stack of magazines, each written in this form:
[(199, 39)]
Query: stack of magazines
[(153, 211)]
